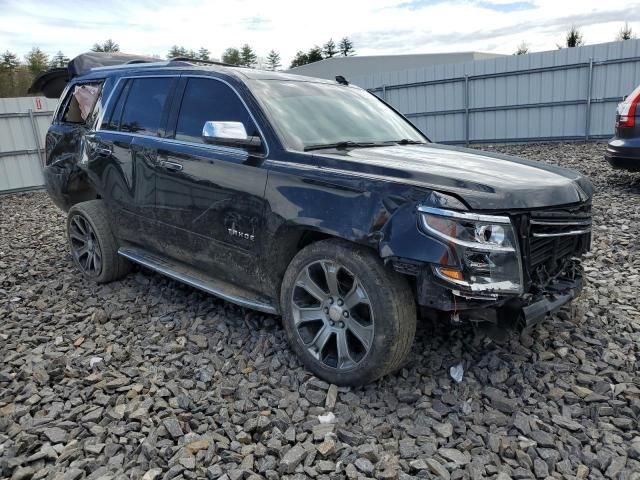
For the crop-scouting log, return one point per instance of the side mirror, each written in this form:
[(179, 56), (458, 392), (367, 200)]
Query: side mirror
[(231, 134)]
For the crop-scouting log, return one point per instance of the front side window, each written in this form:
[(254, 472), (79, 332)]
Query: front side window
[(308, 114), (141, 105), (209, 100)]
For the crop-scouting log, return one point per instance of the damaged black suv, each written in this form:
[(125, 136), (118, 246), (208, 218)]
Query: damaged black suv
[(307, 198)]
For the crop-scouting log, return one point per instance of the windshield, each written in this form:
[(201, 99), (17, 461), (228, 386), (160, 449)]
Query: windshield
[(308, 115)]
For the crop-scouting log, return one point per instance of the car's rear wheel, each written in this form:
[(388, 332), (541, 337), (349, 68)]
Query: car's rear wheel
[(93, 246), (349, 319)]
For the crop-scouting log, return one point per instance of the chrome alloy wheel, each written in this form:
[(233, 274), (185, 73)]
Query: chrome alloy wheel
[(332, 314), (85, 247)]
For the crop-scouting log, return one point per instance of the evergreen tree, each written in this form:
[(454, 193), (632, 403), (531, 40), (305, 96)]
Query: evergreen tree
[(329, 48), (9, 62), (299, 59), (59, 60), (231, 56), (574, 38), (315, 54), (625, 33), (108, 46), (247, 56), (204, 54), (346, 47), (273, 60), (176, 51), (37, 61)]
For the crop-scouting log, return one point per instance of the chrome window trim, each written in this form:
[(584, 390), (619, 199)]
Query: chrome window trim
[(220, 148), (183, 142), (475, 217)]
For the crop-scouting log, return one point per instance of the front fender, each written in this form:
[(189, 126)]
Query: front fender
[(402, 238), (381, 215)]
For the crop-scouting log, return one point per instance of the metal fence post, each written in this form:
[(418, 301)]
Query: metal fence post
[(384, 92), (466, 109), (36, 136), (587, 123)]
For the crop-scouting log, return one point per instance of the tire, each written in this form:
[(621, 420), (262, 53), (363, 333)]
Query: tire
[(89, 232), (377, 331)]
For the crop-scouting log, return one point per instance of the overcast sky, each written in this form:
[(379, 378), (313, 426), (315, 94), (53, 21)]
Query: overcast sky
[(375, 26)]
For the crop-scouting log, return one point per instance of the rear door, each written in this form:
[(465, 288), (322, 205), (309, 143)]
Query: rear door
[(210, 198), (124, 151)]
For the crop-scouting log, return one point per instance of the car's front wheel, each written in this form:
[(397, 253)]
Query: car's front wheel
[(349, 319)]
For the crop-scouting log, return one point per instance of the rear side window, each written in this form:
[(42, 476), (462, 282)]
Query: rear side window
[(209, 100), (140, 106)]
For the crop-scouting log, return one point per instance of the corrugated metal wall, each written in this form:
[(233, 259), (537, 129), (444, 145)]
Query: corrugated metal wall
[(23, 125), (565, 94)]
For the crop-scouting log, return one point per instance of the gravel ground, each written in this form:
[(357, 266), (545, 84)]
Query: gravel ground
[(147, 378)]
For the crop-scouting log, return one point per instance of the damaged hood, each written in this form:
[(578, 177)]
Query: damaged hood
[(485, 181)]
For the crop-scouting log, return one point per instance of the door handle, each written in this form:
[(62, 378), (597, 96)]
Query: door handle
[(172, 166), (101, 150)]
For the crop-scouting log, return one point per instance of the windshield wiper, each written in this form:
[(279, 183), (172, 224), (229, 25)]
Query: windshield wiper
[(406, 141), (343, 145)]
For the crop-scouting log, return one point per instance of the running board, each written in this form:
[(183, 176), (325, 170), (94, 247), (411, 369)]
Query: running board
[(190, 276)]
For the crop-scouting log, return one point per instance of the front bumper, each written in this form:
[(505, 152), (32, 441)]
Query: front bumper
[(525, 310), (557, 295)]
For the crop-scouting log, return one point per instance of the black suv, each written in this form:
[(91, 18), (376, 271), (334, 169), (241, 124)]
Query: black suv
[(310, 199)]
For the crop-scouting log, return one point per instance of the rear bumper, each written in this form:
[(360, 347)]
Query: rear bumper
[(623, 153)]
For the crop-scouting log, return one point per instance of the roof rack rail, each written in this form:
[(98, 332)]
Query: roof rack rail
[(197, 60)]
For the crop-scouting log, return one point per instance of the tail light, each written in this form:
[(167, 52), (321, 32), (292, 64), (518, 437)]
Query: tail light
[(626, 114)]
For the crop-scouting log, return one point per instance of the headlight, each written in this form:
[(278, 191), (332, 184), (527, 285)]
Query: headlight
[(485, 245)]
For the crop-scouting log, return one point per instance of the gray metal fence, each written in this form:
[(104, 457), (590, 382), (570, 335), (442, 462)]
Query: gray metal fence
[(23, 125), (568, 94)]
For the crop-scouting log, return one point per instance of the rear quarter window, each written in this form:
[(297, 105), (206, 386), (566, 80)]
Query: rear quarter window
[(81, 104)]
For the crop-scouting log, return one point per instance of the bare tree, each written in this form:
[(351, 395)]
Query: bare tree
[(625, 33), (523, 49)]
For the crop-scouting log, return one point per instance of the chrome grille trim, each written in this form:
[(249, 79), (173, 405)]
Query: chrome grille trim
[(562, 234), (560, 223)]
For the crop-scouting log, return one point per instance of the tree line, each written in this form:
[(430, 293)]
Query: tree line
[(17, 74), (575, 38), (344, 48)]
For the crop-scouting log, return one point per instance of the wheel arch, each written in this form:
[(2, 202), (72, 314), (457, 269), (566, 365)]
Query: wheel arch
[(287, 241)]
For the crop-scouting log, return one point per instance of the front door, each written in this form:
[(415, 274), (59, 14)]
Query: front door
[(210, 199)]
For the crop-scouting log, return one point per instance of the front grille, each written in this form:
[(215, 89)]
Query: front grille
[(553, 237), (542, 250)]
